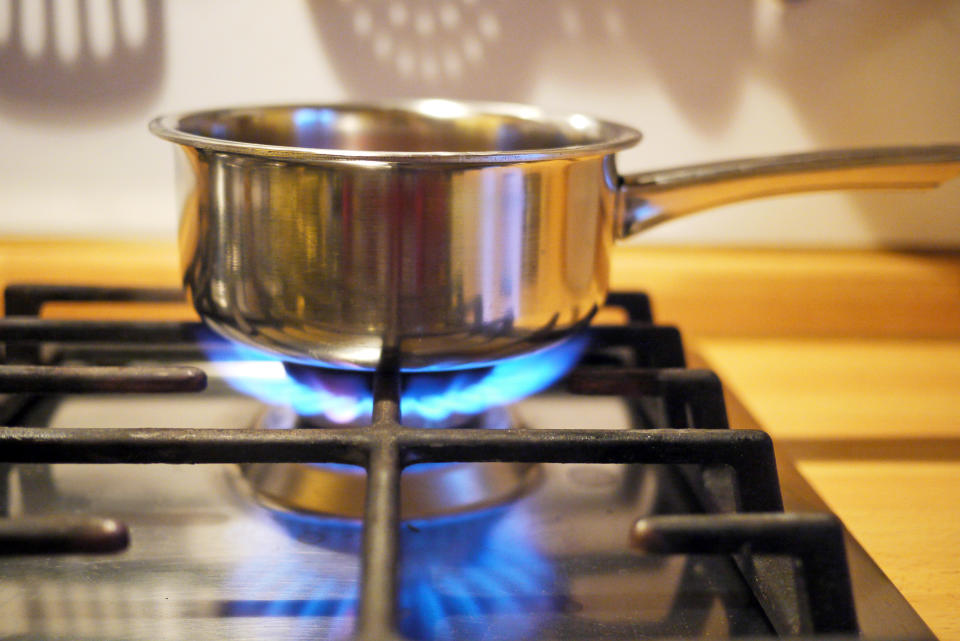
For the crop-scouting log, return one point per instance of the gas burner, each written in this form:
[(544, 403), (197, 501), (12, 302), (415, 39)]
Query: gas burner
[(430, 399), (427, 490)]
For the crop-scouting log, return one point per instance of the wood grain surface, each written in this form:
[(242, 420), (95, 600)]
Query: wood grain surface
[(797, 293), (874, 426), (906, 514), (850, 359)]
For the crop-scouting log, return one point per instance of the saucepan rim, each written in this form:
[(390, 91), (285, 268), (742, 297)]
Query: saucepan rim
[(602, 136)]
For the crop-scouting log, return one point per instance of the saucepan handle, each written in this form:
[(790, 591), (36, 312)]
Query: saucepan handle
[(653, 197)]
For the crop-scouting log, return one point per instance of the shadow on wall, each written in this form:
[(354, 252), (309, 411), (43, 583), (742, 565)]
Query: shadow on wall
[(492, 49), (80, 62), (699, 53), (472, 50), (876, 72), (853, 71)]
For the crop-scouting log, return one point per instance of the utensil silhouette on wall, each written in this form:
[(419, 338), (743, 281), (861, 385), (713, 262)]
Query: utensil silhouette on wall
[(85, 60), (461, 48)]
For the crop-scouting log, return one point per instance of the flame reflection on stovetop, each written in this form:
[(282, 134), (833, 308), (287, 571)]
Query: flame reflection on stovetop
[(428, 399), (459, 575)]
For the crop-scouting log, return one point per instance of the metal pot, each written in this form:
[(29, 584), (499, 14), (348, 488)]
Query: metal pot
[(436, 234)]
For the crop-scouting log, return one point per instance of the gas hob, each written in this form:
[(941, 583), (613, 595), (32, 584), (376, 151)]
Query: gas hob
[(640, 513)]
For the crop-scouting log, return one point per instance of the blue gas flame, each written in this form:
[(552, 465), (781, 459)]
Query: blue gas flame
[(460, 576), (346, 396), (502, 576)]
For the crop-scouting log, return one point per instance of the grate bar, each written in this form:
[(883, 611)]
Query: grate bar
[(172, 445), (38, 330), (24, 302), (636, 304), (577, 446), (816, 539), (27, 300), (61, 534), (749, 453), (651, 345), (377, 618), (72, 380), (699, 390)]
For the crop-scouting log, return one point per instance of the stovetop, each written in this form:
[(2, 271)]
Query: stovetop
[(648, 516)]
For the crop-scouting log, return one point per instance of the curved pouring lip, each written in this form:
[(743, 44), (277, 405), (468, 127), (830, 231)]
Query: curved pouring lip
[(509, 125)]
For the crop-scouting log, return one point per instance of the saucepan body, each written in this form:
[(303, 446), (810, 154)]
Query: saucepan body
[(434, 234)]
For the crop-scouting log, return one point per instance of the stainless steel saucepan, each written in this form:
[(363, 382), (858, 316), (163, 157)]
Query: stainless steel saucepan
[(437, 234)]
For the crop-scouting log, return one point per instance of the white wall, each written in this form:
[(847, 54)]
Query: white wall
[(704, 79)]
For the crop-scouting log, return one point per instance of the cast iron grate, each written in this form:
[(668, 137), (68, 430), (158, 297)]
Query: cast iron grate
[(751, 521)]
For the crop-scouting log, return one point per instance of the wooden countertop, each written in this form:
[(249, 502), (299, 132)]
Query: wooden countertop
[(851, 360), (874, 426)]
